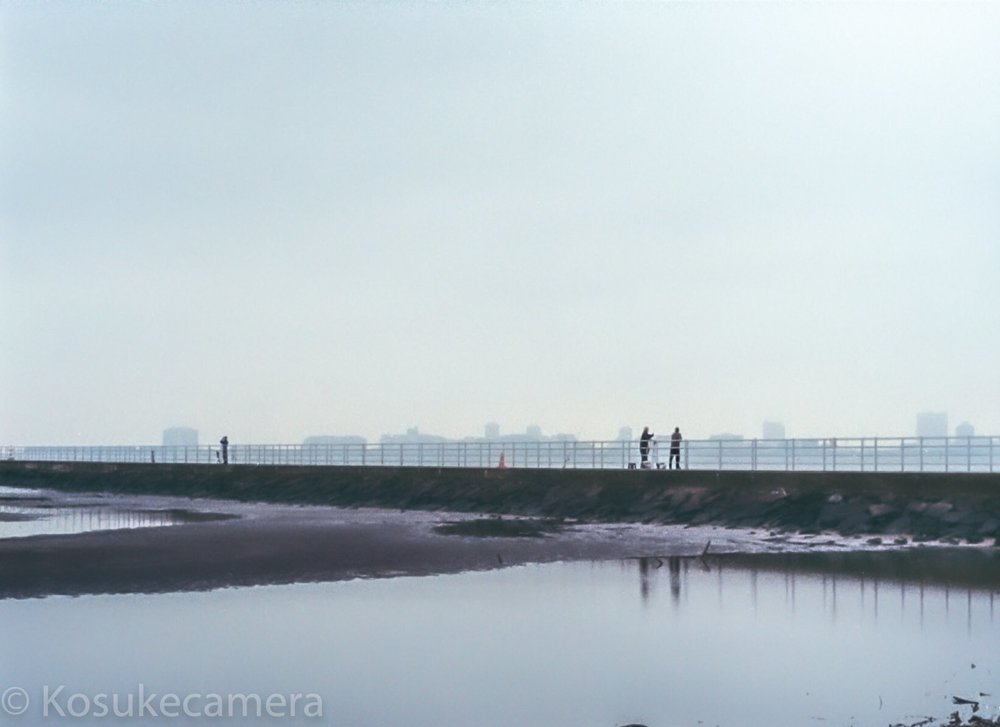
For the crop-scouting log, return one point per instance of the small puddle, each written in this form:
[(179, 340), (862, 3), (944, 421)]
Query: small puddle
[(24, 513)]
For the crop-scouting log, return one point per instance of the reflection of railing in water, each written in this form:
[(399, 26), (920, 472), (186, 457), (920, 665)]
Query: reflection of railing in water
[(838, 454), (72, 520), (869, 592)]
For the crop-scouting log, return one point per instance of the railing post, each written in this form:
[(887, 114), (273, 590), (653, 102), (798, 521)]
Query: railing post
[(902, 454), (920, 443), (876, 454), (947, 454), (833, 443), (720, 454)]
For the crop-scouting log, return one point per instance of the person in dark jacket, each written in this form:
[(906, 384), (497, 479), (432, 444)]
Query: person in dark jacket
[(675, 449), (225, 449), (644, 441)]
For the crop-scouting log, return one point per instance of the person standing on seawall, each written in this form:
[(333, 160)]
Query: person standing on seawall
[(675, 448), (644, 446), (225, 449)]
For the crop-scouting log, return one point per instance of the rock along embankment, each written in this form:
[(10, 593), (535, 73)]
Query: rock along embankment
[(925, 506)]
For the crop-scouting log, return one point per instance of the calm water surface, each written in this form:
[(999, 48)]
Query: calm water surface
[(20, 521), (661, 643), (31, 512)]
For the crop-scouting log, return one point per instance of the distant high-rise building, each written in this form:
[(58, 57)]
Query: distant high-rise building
[(625, 434), (773, 430), (965, 430), (180, 437), (932, 424), (533, 432), (493, 431)]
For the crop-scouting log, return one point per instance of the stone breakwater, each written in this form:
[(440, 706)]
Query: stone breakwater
[(924, 506)]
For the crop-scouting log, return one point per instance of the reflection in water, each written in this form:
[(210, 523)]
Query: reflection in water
[(17, 521), (644, 576), (674, 566), (739, 570), (675, 577), (749, 641)]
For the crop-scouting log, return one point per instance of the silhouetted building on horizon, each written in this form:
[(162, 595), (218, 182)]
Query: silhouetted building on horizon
[(773, 430), (965, 430), (531, 433), (412, 436), (491, 431), (625, 434), (180, 437), (932, 424)]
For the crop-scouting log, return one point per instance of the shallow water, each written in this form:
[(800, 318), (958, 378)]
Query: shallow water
[(659, 642), (33, 512)]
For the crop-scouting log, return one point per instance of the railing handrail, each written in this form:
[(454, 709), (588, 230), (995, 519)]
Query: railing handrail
[(979, 453)]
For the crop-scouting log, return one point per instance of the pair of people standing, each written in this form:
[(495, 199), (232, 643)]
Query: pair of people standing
[(675, 447)]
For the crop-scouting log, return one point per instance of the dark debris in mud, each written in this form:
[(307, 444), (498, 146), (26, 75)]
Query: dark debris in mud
[(183, 515), (974, 721), (498, 527), (956, 719)]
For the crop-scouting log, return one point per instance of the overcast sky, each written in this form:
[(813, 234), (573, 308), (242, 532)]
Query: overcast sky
[(278, 219)]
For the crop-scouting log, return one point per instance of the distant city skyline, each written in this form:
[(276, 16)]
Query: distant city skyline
[(928, 424)]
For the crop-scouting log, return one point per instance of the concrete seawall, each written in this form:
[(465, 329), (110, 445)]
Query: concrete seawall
[(924, 506)]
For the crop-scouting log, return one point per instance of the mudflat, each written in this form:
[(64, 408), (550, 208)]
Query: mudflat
[(221, 544), (210, 543), (930, 506)]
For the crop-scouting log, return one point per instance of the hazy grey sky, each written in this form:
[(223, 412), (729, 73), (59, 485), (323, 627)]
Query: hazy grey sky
[(277, 219)]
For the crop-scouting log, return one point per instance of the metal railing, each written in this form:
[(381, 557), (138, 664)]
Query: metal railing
[(838, 454)]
